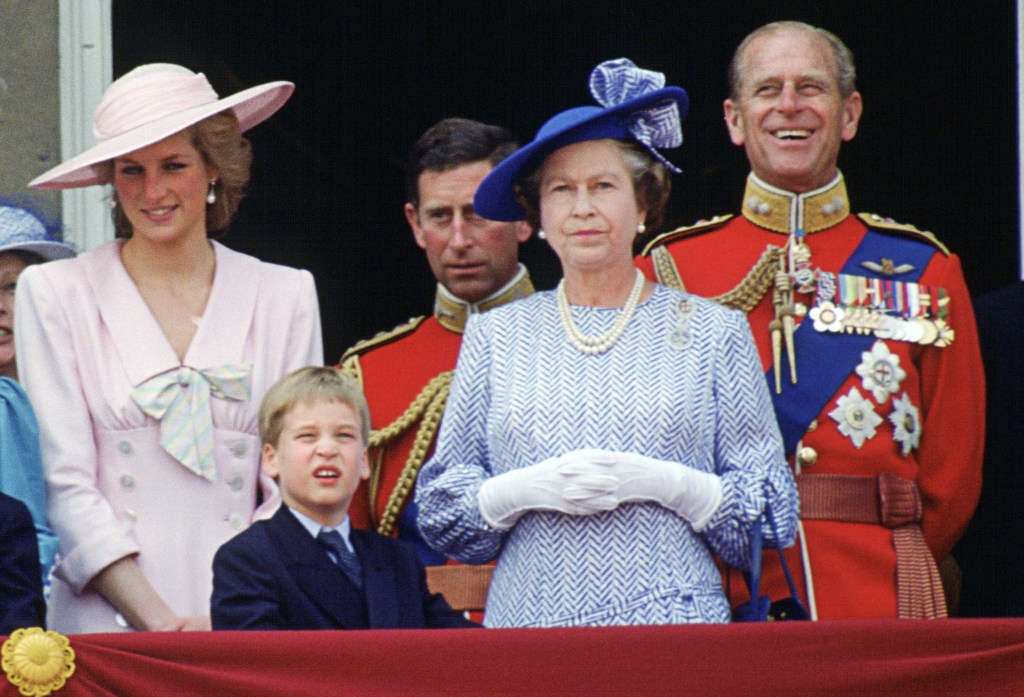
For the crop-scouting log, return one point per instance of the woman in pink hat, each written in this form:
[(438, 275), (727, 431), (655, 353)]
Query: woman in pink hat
[(146, 358)]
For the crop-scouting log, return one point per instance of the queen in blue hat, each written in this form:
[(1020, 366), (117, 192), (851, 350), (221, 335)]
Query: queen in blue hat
[(603, 440)]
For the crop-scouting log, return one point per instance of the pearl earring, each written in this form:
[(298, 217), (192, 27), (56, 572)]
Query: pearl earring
[(211, 196), (641, 229), (541, 234), (112, 202)]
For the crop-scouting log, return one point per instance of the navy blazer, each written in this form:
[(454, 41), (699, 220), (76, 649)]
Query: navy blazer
[(21, 584), (275, 575)]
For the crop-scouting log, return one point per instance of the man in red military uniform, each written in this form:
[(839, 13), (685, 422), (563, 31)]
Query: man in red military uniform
[(406, 372), (865, 331)]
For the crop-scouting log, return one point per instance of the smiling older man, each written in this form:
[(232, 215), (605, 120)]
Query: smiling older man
[(865, 332)]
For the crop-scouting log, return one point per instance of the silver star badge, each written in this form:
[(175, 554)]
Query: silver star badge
[(906, 424), (856, 417)]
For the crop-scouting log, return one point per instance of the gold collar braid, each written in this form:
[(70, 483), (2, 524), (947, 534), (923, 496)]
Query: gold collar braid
[(784, 211), (452, 312), (797, 216)]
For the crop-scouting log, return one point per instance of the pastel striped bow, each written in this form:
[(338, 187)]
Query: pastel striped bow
[(660, 126), (180, 400)]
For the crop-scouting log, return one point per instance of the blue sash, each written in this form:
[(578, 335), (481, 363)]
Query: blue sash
[(825, 360)]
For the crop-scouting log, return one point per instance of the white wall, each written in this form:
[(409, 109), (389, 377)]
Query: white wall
[(86, 65)]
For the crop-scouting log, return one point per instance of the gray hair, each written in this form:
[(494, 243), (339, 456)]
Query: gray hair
[(844, 70)]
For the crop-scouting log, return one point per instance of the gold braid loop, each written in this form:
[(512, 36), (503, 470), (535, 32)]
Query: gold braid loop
[(751, 289), (430, 404), (414, 411), (351, 367)]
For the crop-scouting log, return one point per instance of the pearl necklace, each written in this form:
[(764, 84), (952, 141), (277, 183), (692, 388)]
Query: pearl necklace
[(593, 345)]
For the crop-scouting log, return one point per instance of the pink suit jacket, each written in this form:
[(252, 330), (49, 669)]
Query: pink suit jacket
[(86, 339)]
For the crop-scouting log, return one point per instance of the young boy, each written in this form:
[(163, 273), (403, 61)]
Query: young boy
[(21, 582), (281, 573)]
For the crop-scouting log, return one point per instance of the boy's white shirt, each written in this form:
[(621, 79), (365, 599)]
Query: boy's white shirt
[(314, 528)]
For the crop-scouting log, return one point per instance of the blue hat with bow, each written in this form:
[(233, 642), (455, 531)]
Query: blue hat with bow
[(634, 104)]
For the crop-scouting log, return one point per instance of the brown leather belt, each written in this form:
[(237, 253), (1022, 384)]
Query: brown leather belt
[(895, 503)]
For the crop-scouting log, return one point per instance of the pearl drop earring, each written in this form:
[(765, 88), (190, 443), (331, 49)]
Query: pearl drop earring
[(211, 196), (541, 234), (113, 202), (641, 229)]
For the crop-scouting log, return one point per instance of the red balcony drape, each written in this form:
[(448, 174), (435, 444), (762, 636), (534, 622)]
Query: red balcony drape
[(856, 657)]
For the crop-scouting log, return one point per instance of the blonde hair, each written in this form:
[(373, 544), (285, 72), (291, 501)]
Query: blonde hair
[(309, 385), (219, 140)]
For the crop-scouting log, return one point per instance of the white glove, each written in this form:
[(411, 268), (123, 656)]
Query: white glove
[(690, 493), (564, 484)]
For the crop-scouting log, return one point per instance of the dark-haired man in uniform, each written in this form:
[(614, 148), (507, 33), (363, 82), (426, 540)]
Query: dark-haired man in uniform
[(406, 372), (865, 332)]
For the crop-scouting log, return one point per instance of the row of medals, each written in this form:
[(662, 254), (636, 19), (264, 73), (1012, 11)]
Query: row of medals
[(869, 311)]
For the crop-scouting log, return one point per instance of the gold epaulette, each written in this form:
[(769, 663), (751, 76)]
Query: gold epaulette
[(382, 338), (877, 222), (351, 367), (697, 228), (349, 363)]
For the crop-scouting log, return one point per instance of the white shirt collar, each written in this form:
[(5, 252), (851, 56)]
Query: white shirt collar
[(314, 528)]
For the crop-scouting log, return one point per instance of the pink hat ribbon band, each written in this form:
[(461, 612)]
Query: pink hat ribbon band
[(149, 97)]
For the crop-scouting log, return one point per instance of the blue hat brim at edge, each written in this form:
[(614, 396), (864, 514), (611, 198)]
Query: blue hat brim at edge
[(495, 197)]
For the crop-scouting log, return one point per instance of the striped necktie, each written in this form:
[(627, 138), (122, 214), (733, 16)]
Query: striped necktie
[(342, 555)]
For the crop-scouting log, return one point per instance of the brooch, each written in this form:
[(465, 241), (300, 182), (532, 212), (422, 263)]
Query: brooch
[(681, 337)]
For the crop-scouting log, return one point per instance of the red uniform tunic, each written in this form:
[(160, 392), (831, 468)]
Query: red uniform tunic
[(852, 565), (405, 374), (394, 373)]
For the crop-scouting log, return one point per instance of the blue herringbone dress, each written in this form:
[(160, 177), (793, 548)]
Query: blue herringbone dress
[(522, 393)]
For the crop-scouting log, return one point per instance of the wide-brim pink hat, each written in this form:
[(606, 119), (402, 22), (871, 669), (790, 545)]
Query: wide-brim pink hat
[(153, 102)]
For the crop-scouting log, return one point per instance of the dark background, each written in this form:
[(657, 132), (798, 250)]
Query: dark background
[(937, 145)]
